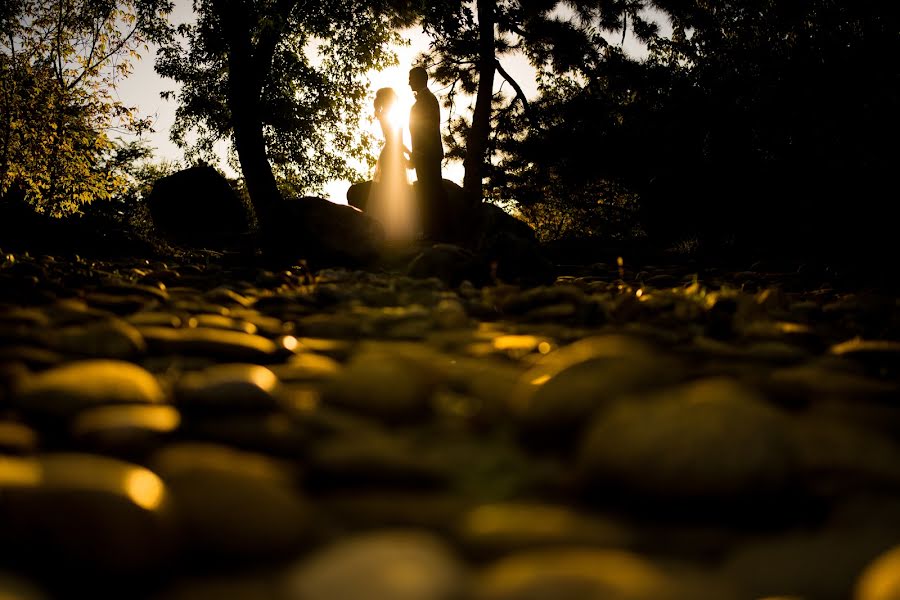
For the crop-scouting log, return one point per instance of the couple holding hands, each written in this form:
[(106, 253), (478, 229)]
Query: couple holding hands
[(392, 200)]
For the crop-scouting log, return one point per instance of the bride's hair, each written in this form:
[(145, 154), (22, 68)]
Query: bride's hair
[(385, 98)]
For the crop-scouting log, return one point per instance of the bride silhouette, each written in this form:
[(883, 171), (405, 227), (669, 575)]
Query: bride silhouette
[(391, 195)]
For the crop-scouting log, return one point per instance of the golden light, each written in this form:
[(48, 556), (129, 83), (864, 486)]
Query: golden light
[(396, 117), (144, 488)]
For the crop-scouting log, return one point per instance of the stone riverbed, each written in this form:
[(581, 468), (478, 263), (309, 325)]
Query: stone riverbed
[(213, 430)]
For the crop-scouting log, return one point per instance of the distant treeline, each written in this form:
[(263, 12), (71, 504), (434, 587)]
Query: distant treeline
[(754, 123)]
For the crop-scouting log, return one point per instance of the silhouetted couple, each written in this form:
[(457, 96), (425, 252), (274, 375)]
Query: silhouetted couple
[(392, 200)]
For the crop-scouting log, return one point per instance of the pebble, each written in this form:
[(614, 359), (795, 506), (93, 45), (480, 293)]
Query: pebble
[(493, 530), (707, 443), (384, 385), (233, 504), (63, 391), (881, 579), (649, 432), (578, 573), (387, 564), (216, 343), (109, 505), (112, 338), (228, 387)]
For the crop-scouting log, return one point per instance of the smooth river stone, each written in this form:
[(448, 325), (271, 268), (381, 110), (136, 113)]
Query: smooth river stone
[(383, 385), (217, 343), (818, 381), (388, 565), (307, 366), (154, 319), (880, 357), (584, 574), (561, 392), (497, 529), (450, 314), (86, 512), (17, 438), (231, 503), (820, 565), (273, 433), (228, 387), (63, 391), (706, 441), (15, 317), (112, 338), (221, 322), (117, 304), (125, 430), (881, 579)]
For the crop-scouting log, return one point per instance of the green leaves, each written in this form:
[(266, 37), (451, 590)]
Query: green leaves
[(60, 63)]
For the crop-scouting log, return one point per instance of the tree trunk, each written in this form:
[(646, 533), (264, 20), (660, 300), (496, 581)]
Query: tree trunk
[(477, 138), (247, 73)]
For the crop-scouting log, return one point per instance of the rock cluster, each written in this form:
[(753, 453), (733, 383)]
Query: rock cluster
[(187, 431)]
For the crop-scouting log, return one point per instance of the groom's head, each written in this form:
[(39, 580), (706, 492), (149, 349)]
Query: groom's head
[(418, 78)]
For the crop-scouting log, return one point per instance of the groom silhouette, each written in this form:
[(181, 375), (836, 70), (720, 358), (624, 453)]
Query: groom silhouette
[(427, 151)]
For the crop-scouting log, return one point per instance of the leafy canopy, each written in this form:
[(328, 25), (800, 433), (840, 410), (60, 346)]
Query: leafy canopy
[(60, 64)]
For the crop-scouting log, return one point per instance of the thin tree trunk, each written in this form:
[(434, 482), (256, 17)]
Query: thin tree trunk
[(247, 74), (477, 138)]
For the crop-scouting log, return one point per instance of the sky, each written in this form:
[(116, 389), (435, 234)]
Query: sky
[(142, 89)]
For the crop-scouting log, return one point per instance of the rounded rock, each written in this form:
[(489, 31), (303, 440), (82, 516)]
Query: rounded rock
[(108, 506), (711, 440), (228, 387), (582, 574), (233, 504), (881, 579), (389, 565), (65, 390), (384, 385)]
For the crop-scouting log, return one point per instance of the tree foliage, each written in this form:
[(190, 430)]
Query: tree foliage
[(762, 120), (60, 64)]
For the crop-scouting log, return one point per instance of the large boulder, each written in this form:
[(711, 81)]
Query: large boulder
[(327, 234), (495, 243), (197, 206)]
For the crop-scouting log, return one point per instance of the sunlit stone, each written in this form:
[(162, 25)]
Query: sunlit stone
[(399, 565), (565, 387), (881, 579), (228, 386), (125, 430), (17, 438), (108, 505), (107, 339), (221, 322), (307, 366), (711, 440), (19, 472), (383, 384), (495, 529), (232, 503), (219, 343), (65, 390), (589, 575)]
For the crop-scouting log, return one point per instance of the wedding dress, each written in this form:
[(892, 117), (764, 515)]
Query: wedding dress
[(391, 195)]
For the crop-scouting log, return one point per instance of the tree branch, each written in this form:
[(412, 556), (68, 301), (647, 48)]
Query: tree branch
[(519, 93)]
